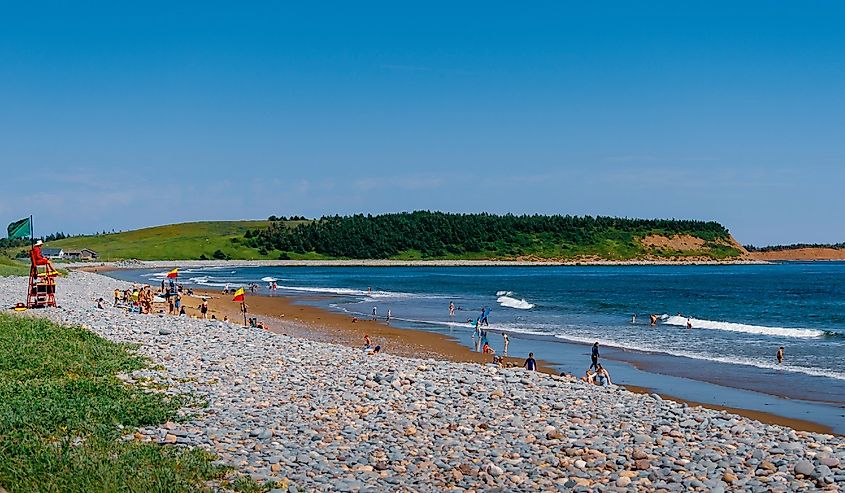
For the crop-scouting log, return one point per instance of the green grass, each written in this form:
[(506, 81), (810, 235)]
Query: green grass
[(172, 242), (61, 408), (9, 267)]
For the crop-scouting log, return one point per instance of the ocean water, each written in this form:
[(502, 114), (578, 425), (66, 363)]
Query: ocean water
[(740, 314)]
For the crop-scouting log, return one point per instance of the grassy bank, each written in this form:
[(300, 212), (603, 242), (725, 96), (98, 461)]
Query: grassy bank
[(171, 242), (63, 411), (9, 267)]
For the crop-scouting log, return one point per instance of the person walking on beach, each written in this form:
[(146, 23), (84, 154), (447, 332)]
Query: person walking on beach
[(388, 314), (204, 309), (780, 355), (507, 341), (530, 363), (594, 355)]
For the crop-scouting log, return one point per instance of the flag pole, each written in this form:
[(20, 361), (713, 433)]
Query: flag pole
[(31, 233), (243, 309)]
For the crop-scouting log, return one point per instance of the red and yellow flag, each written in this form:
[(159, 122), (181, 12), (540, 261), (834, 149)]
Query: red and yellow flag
[(173, 274), (239, 295)]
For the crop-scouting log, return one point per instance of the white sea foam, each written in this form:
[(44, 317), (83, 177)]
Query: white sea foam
[(816, 372), (504, 293), (269, 279), (348, 292), (748, 329), (514, 303)]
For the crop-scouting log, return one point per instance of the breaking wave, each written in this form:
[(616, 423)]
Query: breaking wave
[(747, 329), (509, 302)]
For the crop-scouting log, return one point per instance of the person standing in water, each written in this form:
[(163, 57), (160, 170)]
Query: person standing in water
[(689, 323), (507, 341), (451, 309), (594, 356), (634, 318), (374, 313), (780, 355), (388, 314)]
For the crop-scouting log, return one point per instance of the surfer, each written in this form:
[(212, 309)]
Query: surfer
[(780, 355)]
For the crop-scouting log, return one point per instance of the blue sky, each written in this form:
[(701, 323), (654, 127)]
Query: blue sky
[(123, 116)]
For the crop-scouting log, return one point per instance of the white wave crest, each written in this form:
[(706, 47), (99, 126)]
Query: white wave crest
[(747, 329), (269, 279), (730, 360), (349, 292), (504, 293), (514, 303)]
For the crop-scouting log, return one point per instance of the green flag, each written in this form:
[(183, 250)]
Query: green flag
[(19, 229)]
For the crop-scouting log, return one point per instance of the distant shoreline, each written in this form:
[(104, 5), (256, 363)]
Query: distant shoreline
[(153, 264)]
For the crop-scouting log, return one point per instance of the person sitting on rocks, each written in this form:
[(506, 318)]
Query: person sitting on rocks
[(182, 311), (100, 304), (374, 350), (589, 377), (602, 376)]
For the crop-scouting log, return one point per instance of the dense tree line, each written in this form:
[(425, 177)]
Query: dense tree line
[(21, 242), (438, 234), (794, 246)]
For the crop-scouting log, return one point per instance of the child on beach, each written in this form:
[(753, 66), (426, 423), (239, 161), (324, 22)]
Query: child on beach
[(530, 363), (589, 377), (203, 308)]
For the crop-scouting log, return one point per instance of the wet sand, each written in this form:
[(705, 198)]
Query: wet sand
[(287, 315)]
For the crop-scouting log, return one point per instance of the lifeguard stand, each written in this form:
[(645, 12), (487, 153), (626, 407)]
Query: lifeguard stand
[(42, 285)]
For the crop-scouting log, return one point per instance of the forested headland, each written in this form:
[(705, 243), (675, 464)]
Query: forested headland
[(439, 235)]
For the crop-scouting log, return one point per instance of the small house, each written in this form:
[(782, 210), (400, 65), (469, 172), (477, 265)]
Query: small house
[(53, 253), (84, 254)]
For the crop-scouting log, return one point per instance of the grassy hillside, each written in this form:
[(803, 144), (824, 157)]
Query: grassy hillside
[(417, 236), (171, 242)]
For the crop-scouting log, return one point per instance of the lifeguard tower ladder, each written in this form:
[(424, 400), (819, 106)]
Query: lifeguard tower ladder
[(42, 287)]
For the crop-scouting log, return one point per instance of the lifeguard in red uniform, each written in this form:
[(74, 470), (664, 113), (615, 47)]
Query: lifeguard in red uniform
[(39, 259), (42, 285)]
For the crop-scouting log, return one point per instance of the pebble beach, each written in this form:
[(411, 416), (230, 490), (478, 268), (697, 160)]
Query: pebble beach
[(332, 418)]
